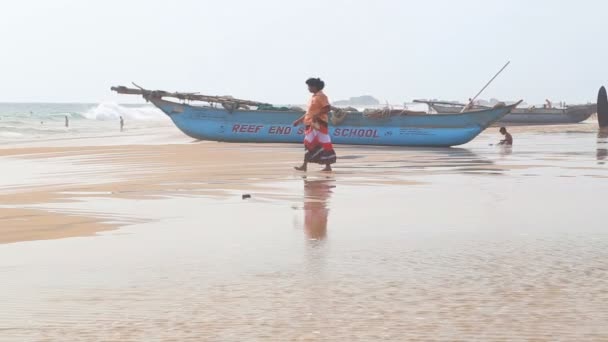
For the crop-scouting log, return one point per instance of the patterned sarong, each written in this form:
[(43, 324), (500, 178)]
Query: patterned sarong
[(317, 142)]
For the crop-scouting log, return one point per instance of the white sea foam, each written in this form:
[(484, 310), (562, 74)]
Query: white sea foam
[(10, 135), (113, 111)]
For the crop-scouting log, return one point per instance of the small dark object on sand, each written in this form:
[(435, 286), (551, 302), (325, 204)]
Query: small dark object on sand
[(602, 108), (246, 196)]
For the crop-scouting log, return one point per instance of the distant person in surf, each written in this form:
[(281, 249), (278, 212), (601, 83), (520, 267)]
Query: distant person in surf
[(508, 140), (122, 124), (67, 121), (317, 143)]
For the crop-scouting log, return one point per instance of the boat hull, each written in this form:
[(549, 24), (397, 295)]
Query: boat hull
[(537, 116), (218, 124)]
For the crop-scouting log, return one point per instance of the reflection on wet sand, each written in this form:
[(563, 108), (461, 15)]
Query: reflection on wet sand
[(424, 161), (316, 211), (424, 157), (602, 146), (422, 244), (505, 150)]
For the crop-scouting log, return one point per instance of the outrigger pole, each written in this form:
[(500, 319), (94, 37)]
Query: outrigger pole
[(148, 94)]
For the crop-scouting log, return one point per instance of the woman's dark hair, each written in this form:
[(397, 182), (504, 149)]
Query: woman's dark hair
[(315, 82)]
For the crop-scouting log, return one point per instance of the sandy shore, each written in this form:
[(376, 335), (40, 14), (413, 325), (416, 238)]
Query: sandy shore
[(68, 172), (154, 242), (125, 172), (64, 174), (30, 224)]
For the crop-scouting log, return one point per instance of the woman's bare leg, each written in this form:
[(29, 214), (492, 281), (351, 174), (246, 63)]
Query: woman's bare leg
[(304, 166)]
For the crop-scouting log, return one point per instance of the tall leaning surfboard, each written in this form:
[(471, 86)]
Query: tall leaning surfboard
[(602, 108)]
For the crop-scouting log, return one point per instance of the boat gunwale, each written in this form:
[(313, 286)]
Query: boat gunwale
[(240, 110)]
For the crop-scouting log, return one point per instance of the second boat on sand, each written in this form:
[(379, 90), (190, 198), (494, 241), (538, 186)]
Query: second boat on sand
[(525, 116)]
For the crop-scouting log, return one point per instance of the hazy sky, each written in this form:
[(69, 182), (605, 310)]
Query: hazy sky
[(74, 50)]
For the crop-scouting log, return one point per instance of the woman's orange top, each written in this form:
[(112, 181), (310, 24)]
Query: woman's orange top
[(316, 106)]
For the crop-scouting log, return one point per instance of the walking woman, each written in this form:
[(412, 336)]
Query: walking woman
[(317, 142)]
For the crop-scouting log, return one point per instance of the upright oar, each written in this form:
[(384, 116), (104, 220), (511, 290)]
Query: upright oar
[(484, 87)]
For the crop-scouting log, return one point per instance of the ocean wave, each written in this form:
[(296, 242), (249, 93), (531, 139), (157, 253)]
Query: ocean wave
[(12, 131), (113, 111), (61, 115)]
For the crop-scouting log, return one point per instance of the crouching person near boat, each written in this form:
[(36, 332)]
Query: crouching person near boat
[(508, 140), (317, 142)]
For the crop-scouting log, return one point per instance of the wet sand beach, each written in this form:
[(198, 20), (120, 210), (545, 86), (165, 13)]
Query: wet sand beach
[(147, 238)]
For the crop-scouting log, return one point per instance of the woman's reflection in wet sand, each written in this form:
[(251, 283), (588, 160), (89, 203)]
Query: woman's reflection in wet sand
[(316, 211), (315, 275), (602, 146)]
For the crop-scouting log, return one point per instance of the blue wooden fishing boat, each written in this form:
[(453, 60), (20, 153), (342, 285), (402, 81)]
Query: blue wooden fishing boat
[(232, 120)]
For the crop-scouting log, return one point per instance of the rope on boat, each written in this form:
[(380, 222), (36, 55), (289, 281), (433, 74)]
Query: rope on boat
[(338, 115), (379, 113)]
